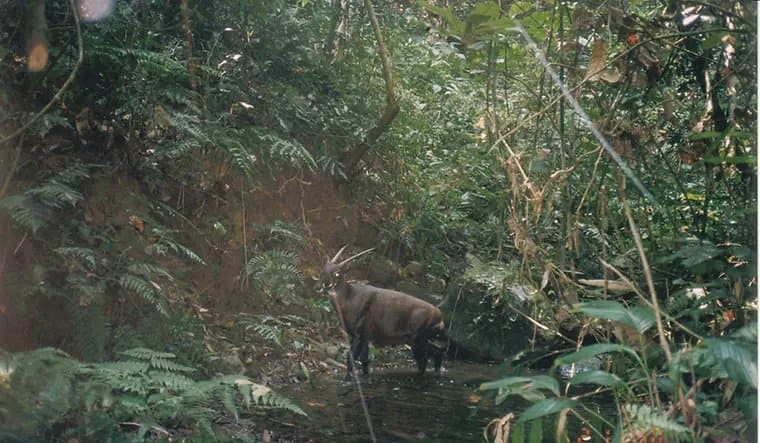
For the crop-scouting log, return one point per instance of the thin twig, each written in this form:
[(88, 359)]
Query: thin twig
[(57, 96), (647, 276)]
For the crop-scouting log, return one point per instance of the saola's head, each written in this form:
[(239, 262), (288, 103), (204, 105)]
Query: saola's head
[(332, 275)]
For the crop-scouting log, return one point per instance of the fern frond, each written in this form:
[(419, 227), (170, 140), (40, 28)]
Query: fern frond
[(170, 380), (27, 212), (290, 152), (267, 332), (188, 125), (287, 232), (146, 354), (262, 396), (166, 243), (647, 421), (149, 270), (331, 166), (143, 288), (56, 195), (124, 367), (274, 400), (85, 255), (241, 157), (168, 365)]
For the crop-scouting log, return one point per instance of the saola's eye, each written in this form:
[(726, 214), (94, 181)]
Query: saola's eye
[(336, 275)]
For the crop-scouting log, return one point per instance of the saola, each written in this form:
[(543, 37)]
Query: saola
[(381, 316)]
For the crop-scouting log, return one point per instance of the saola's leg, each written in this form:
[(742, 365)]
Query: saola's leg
[(419, 350), (364, 356), (437, 354), (353, 354)]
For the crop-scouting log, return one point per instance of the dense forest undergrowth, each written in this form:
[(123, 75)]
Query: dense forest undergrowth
[(174, 175)]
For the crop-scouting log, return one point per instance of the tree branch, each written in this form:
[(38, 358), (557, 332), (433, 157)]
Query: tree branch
[(391, 101)]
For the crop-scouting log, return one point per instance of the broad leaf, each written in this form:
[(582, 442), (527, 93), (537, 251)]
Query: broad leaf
[(640, 318), (535, 382), (597, 377), (546, 407), (736, 358), (593, 350)]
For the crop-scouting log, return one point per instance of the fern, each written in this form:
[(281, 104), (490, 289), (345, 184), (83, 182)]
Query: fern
[(36, 208), (170, 380), (274, 260), (145, 290), (268, 332), (259, 395), (168, 365), (240, 156), (268, 327), (286, 232), (82, 255), (148, 270), (275, 272), (146, 354), (647, 421), (332, 166), (27, 211), (166, 243), (289, 152), (126, 367)]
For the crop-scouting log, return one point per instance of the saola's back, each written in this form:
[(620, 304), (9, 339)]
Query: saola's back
[(394, 318)]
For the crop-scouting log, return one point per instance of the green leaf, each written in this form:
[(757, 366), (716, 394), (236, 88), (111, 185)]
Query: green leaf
[(593, 350), (640, 318), (536, 432), (597, 377), (534, 382), (734, 160), (518, 433), (739, 362), (704, 135), (546, 407), (456, 26)]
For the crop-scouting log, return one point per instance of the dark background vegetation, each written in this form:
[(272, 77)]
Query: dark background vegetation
[(161, 218)]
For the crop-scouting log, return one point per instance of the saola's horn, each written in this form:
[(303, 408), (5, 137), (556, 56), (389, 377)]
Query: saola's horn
[(338, 254), (354, 256)]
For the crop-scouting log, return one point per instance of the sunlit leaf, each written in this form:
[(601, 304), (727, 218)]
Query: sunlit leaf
[(596, 377), (640, 318), (739, 362), (546, 407), (593, 350), (534, 382)]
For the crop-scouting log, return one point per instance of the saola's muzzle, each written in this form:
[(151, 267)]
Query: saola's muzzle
[(324, 286)]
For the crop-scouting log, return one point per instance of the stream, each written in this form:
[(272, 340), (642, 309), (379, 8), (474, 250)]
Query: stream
[(402, 406)]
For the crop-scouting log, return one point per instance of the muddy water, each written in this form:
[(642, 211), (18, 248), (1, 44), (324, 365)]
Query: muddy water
[(403, 406)]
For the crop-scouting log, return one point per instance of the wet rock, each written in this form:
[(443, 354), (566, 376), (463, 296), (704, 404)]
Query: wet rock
[(570, 371)]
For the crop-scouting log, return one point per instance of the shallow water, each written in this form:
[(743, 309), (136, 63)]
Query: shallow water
[(402, 406)]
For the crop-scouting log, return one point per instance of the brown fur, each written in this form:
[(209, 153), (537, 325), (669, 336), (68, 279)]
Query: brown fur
[(383, 317)]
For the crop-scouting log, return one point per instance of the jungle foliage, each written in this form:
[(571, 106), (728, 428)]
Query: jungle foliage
[(130, 144)]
